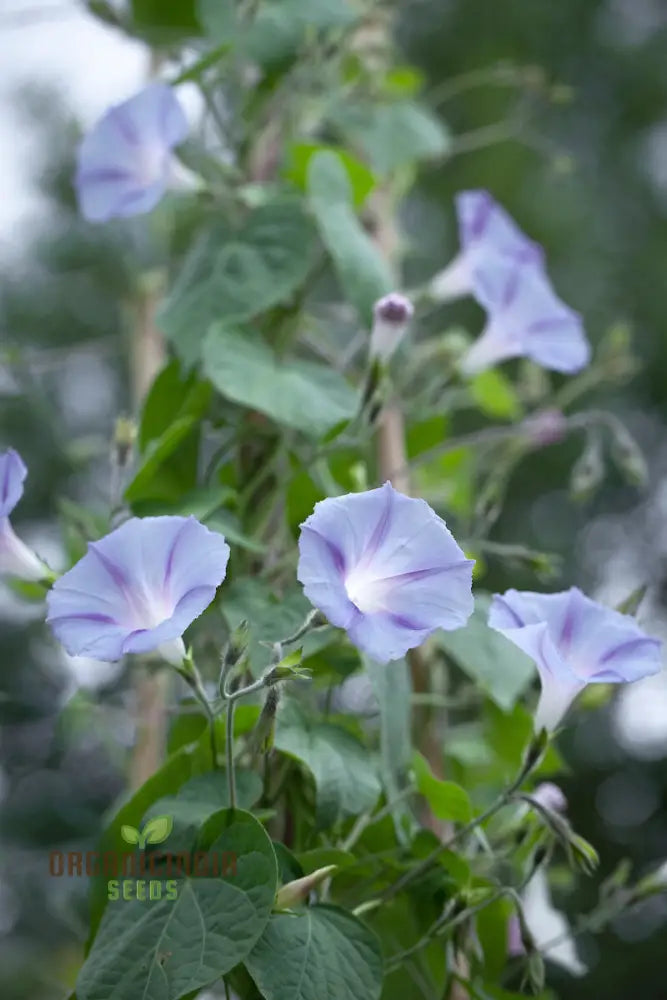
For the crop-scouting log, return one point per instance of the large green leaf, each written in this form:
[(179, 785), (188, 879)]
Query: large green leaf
[(173, 394), (163, 949), (199, 798), (320, 953), (363, 273), (501, 669), (310, 397), (447, 800), (360, 177), (233, 275), (165, 22), (393, 135), (343, 769)]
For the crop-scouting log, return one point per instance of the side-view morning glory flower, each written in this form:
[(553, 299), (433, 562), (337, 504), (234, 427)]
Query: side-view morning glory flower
[(138, 588), (489, 238), (384, 567), (573, 641), (526, 319), (16, 559), (125, 162), (548, 928)]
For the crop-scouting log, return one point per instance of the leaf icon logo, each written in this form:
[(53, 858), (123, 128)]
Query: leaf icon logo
[(155, 831)]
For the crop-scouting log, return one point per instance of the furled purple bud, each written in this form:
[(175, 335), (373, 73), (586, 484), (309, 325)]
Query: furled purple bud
[(546, 427), (550, 796), (392, 314)]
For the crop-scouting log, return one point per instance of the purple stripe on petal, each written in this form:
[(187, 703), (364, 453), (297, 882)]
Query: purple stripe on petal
[(511, 288), (547, 325), (5, 482), (631, 646), (125, 126), (335, 553), (402, 621), (519, 622), (89, 616), (170, 558), (423, 574), (114, 571), (567, 629), (480, 217), (103, 175), (380, 531)]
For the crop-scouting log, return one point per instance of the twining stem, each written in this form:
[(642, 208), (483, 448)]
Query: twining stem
[(229, 745), (443, 925), (314, 620), (370, 819), (532, 760)]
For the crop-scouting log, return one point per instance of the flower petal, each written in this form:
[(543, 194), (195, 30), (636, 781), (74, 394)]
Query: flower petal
[(483, 221), (123, 163), (138, 587), (573, 641), (386, 568), (526, 318), (12, 475)]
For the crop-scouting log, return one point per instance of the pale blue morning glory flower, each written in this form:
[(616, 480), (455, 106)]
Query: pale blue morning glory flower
[(138, 588), (489, 237), (526, 319), (125, 162), (573, 642), (384, 567), (16, 559)]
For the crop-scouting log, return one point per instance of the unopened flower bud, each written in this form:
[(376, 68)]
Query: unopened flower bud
[(652, 884), (392, 314), (265, 728), (546, 427), (632, 603), (237, 645), (299, 890), (628, 456), (588, 471), (124, 437), (550, 796)]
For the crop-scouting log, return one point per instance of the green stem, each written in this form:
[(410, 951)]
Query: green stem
[(369, 819), (314, 620), (229, 745), (505, 796), (443, 925)]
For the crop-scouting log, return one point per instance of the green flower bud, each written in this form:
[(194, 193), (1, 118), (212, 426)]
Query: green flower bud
[(298, 891)]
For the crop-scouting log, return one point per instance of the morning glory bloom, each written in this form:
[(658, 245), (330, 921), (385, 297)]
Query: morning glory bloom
[(548, 927), (138, 588), (526, 319), (384, 567), (125, 163), (16, 559), (489, 238), (574, 642)]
